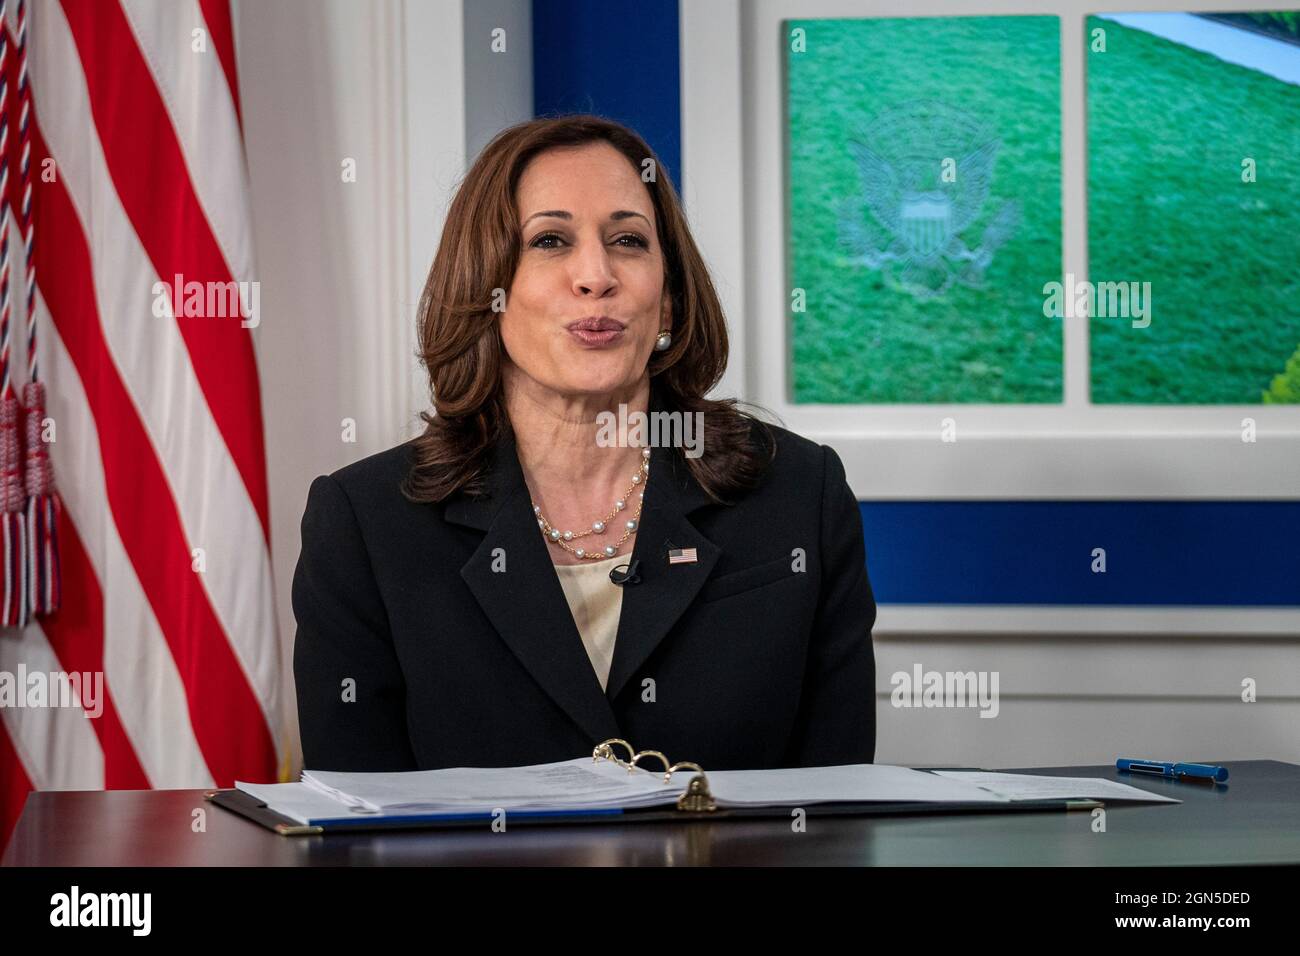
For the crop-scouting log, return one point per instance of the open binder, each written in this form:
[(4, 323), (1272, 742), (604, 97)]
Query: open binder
[(696, 803)]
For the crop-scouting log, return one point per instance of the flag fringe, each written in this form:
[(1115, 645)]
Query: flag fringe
[(43, 507), (13, 520)]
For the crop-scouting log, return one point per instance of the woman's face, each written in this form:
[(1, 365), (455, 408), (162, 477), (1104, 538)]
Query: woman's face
[(590, 257)]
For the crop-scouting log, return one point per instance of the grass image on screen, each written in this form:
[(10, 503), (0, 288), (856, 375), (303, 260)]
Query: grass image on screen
[(1194, 187), (924, 193)]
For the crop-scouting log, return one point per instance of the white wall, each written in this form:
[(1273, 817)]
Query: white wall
[(340, 262), (1092, 699), (498, 69)]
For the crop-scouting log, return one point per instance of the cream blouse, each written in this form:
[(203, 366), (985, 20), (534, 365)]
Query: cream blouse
[(596, 603)]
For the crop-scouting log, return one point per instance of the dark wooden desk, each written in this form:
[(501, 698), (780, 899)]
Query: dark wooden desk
[(1255, 818)]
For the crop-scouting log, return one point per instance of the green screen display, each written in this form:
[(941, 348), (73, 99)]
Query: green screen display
[(924, 209), (1194, 187)]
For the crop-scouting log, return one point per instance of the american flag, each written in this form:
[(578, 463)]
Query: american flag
[(139, 183)]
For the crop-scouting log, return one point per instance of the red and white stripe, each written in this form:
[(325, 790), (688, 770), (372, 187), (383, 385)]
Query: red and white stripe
[(159, 448)]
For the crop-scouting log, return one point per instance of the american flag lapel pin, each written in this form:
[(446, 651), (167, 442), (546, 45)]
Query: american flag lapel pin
[(682, 556)]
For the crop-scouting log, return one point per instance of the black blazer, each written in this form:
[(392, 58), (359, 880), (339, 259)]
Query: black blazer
[(737, 661)]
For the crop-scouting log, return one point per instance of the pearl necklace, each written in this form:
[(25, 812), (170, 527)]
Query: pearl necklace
[(556, 536)]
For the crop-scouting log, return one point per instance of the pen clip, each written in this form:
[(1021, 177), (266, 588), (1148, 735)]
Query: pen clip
[(1144, 766)]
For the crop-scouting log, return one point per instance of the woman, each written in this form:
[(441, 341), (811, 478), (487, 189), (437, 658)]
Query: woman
[(454, 595)]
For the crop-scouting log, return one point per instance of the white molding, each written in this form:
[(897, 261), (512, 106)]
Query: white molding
[(712, 105), (903, 620), (430, 49), (1038, 464), (388, 347)]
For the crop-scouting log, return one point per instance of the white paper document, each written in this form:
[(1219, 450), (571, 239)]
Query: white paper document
[(582, 784), (299, 802), (1024, 786), (847, 784), (566, 784)]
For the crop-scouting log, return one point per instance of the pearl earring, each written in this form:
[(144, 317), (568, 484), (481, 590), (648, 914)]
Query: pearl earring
[(664, 340)]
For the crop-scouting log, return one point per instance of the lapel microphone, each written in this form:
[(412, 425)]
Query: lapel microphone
[(630, 576)]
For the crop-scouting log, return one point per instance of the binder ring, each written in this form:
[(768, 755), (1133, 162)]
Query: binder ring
[(695, 798), (684, 764), (606, 751), (649, 753)]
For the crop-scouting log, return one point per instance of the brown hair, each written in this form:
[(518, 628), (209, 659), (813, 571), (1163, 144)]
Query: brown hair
[(460, 339)]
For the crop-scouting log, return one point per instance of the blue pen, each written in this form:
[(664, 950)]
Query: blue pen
[(1176, 771)]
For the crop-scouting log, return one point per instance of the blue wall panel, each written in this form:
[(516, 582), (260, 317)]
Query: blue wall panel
[(1040, 552), (615, 58)]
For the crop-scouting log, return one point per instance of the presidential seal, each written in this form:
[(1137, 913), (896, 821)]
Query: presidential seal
[(926, 170)]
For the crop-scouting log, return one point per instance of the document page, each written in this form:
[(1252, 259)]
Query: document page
[(576, 783), (848, 783), (300, 802), (1023, 786)]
